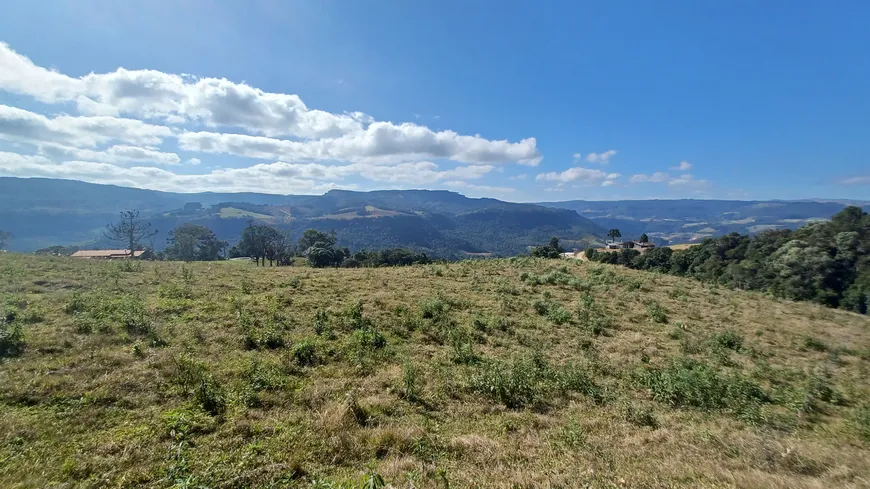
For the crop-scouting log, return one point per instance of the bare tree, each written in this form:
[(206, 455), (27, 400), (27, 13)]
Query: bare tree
[(130, 230)]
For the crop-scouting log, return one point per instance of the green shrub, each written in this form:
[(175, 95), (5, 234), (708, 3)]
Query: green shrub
[(305, 353), (433, 309), (195, 379), (558, 314), (322, 327), (256, 336), (264, 376), (728, 339), (815, 344), (530, 381), (462, 346), (689, 383), (640, 415), (410, 389), (541, 307), (514, 384), (590, 316), (11, 335), (657, 313)]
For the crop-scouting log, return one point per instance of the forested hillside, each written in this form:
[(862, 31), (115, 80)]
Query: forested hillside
[(42, 213), (827, 262)]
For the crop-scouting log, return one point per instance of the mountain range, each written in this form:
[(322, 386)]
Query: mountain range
[(46, 212)]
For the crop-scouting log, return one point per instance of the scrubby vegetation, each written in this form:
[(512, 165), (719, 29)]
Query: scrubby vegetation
[(521, 372), (826, 262)]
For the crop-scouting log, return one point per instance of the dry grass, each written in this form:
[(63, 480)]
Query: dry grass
[(222, 375)]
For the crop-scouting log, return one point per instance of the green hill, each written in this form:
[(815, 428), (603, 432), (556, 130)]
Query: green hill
[(498, 373)]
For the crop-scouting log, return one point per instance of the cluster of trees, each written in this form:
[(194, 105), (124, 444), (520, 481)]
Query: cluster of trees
[(827, 263), (262, 243), (551, 250), (191, 242)]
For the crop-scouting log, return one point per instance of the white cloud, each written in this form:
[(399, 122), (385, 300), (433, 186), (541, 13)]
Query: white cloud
[(577, 156), (220, 102), (578, 173), (478, 188), (381, 142), (856, 181), (303, 150), (114, 154), (602, 158), (656, 177), (608, 183), (273, 178), (662, 177), (174, 98), (522, 176), (21, 125), (683, 166), (687, 180)]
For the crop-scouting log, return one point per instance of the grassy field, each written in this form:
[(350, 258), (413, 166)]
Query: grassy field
[(502, 373)]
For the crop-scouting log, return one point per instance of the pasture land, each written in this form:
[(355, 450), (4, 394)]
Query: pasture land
[(500, 373)]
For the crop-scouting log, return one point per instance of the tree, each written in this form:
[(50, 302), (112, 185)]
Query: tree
[(5, 237), (130, 230), (313, 237), (613, 234), (552, 250), (190, 242), (319, 257), (261, 243), (644, 238)]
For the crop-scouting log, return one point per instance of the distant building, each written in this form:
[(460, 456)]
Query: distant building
[(630, 245), (106, 254)]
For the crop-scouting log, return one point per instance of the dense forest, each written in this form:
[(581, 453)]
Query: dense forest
[(827, 263)]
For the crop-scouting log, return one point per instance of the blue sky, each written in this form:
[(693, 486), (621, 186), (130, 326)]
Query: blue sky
[(513, 100)]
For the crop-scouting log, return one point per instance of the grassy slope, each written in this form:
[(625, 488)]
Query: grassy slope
[(122, 405)]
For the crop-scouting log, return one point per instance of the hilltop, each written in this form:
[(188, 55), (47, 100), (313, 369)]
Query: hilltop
[(501, 373)]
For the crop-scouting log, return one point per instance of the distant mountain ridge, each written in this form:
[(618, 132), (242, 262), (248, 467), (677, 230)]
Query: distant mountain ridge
[(689, 220), (45, 212)]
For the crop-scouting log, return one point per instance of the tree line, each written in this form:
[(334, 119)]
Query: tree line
[(827, 263), (259, 242)]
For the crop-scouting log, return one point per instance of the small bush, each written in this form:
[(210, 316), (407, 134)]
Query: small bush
[(541, 307), (689, 383), (513, 384), (657, 313), (263, 376), (591, 317), (815, 344), (558, 314), (728, 339), (640, 416), (11, 336), (530, 381), (410, 389), (305, 353), (462, 346), (195, 379), (433, 309), (322, 326)]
